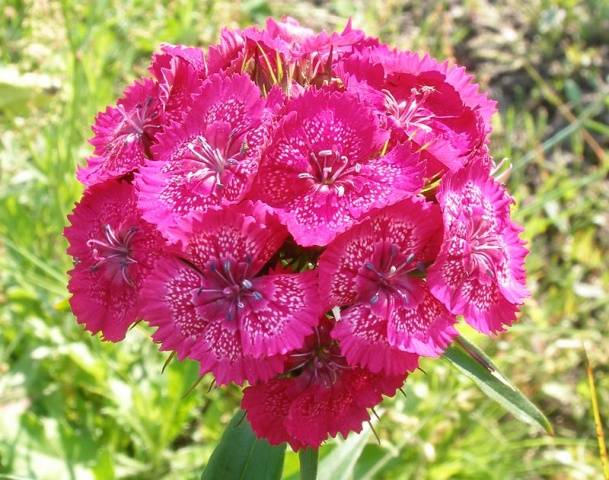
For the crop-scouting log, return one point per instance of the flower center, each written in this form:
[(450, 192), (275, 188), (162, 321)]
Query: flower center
[(410, 113), (225, 288), (320, 361), (137, 120), (113, 253), (213, 160), (388, 273), (330, 170), (484, 248)]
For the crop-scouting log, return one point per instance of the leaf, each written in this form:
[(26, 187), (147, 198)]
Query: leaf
[(475, 364), (339, 464), (240, 455), (308, 463)]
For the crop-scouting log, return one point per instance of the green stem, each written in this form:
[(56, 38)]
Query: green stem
[(308, 463)]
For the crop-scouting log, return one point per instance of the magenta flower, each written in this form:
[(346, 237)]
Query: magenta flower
[(377, 271), (288, 32), (179, 71), (242, 196), (114, 250), (228, 54), (207, 161), (323, 46), (435, 105), (479, 272), (123, 134), (211, 303), (324, 169), (320, 395)]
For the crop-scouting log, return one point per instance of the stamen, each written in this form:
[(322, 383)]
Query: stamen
[(375, 298), (115, 249), (129, 120)]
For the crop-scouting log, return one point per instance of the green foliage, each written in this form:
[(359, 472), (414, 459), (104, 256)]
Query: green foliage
[(240, 455), (308, 457), (475, 364), (72, 407)]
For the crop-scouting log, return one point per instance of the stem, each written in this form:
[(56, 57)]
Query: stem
[(600, 436), (308, 463)]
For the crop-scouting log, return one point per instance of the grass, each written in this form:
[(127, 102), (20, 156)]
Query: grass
[(73, 407)]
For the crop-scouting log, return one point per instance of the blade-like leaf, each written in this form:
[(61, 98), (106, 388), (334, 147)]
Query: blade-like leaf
[(475, 364), (340, 462), (308, 463), (240, 455)]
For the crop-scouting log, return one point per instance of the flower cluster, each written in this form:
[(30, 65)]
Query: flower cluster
[(306, 212)]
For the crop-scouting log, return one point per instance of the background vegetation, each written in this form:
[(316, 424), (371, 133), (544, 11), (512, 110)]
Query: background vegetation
[(72, 407)]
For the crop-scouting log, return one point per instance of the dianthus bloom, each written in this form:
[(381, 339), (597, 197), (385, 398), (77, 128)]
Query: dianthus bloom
[(324, 169), (211, 303), (208, 160), (306, 212), (319, 395), (114, 251), (377, 270), (123, 134), (479, 272)]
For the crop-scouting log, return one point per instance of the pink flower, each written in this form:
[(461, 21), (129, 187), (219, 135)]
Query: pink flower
[(285, 54), (377, 271), (227, 55), (211, 303), (320, 395), (315, 57), (207, 161), (179, 71), (324, 169), (123, 134), (288, 30), (479, 272), (337, 45), (114, 250), (435, 105)]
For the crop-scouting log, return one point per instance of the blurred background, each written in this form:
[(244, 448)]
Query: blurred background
[(72, 407)]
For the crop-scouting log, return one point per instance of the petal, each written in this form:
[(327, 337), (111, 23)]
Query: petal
[(340, 263), (473, 191), (362, 336), (424, 327), (219, 351), (100, 308), (511, 275), (267, 405), (477, 298), (179, 71), (283, 317), (369, 387), (228, 53), (308, 417), (486, 309), (167, 305), (247, 233)]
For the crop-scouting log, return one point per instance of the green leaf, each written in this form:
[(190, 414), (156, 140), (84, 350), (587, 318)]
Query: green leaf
[(340, 463), (240, 455), (308, 463), (475, 364)]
